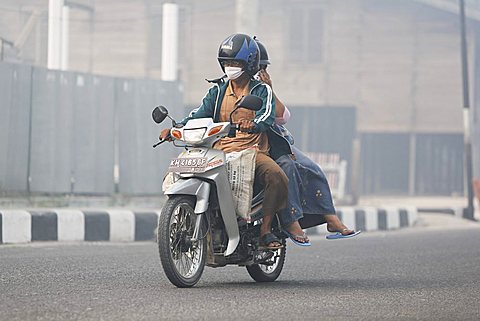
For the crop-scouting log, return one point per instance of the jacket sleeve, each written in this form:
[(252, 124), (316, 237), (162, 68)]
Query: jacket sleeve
[(207, 107), (265, 117)]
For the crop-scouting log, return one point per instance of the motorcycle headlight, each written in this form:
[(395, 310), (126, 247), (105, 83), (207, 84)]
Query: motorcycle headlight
[(193, 135)]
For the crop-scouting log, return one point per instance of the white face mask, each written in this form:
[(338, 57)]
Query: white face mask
[(233, 72)]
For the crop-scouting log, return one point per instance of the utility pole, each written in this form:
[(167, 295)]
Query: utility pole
[(55, 12), (64, 59), (468, 212), (170, 42)]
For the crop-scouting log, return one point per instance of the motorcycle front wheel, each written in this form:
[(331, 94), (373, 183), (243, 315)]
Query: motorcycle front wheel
[(183, 260), (270, 271)]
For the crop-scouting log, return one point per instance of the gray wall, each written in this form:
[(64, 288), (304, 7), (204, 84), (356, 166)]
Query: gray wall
[(15, 88), (65, 132)]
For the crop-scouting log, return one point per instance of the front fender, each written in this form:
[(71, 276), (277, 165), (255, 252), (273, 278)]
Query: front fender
[(192, 186)]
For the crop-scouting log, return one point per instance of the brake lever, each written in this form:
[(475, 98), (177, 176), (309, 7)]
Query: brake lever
[(160, 142)]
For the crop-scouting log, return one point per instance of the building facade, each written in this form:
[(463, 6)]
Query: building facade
[(391, 68)]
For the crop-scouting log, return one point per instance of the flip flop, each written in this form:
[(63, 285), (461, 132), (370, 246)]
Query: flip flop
[(296, 242), (339, 235), (267, 239)]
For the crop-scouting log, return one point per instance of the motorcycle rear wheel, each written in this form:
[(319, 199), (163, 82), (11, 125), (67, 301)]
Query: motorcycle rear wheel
[(269, 273), (182, 260)]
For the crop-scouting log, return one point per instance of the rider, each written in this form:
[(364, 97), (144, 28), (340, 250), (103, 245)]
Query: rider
[(238, 57), (309, 198)]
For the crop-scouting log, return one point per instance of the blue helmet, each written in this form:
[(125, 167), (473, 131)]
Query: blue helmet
[(242, 48)]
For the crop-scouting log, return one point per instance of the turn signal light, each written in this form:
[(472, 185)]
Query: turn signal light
[(215, 130), (176, 133)]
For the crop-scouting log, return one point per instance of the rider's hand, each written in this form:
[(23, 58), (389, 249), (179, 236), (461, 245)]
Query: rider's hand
[(165, 134), (246, 125), (265, 77)]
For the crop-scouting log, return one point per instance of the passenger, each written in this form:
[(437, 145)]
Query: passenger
[(309, 196)]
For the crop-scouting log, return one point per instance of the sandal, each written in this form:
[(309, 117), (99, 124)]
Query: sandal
[(267, 239), (340, 235), (295, 238)]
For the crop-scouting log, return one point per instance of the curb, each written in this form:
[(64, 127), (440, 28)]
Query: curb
[(455, 211), (21, 226), (119, 225)]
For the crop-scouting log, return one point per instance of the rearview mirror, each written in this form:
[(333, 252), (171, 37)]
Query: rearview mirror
[(251, 102), (159, 114)]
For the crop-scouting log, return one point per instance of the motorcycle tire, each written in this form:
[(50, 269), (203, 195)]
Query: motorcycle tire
[(182, 261), (269, 273)]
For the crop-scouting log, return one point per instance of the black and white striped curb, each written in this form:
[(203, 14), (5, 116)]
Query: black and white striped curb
[(373, 218), (455, 211), (21, 226)]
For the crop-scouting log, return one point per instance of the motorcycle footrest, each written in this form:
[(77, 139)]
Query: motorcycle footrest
[(262, 256)]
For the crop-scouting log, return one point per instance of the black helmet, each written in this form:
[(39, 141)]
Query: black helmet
[(240, 47), (263, 52)]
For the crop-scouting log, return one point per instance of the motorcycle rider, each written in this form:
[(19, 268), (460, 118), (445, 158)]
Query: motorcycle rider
[(309, 197), (238, 57)]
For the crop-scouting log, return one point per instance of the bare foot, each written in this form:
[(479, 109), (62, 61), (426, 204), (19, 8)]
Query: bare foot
[(335, 225), (297, 233)]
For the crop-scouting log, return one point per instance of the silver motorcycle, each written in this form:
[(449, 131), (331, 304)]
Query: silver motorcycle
[(198, 224)]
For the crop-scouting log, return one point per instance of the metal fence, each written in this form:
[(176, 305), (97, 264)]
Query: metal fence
[(76, 133), (67, 132), (437, 164), (390, 163)]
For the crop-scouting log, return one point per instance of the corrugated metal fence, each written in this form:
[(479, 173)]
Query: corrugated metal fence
[(386, 164), (67, 132), (390, 163)]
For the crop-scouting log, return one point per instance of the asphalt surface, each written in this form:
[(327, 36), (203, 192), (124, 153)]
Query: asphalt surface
[(416, 274)]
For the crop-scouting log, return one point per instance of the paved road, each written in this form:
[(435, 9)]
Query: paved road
[(420, 274)]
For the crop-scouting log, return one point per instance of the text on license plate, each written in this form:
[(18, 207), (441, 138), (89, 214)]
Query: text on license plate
[(188, 165)]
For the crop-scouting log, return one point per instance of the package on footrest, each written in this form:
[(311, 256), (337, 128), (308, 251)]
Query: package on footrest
[(241, 174)]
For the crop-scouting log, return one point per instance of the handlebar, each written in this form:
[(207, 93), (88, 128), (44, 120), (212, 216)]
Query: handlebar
[(162, 141), (233, 129), (250, 131)]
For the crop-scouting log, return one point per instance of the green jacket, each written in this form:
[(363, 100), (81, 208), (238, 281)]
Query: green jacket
[(212, 102), (264, 118)]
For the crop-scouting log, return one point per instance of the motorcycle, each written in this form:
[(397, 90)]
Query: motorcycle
[(198, 225)]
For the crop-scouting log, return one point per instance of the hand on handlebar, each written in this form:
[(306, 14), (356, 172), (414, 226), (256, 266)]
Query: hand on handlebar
[(165, 135), (247, 126)]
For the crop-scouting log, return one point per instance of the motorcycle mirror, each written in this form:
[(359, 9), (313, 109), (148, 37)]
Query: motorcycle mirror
[(159, 114), (251, 102)]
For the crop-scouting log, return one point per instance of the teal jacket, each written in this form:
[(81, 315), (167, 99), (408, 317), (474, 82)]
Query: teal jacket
[(264, 118), (212, 102)]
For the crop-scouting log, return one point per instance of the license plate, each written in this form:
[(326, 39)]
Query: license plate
[(188, 165)]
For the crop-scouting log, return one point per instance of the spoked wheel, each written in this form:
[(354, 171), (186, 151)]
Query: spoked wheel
[(271, 269), (183, 260)]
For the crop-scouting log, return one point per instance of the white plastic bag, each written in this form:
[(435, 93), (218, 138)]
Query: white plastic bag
[(241, 174)]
